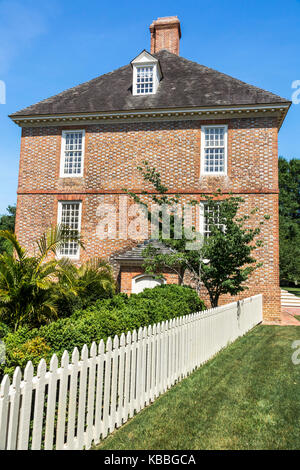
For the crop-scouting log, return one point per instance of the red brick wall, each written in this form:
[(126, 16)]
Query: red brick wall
[(165, 34), (112, 152)]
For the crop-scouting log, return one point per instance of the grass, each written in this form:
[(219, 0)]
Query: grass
[(293, 290), (247, 397)]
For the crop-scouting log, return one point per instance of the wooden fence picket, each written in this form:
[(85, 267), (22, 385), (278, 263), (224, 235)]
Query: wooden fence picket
[(153, 363), (62, 402), (39, 406), (14, 410), (158, 361), (82, 398), (133, 375), (163, 357), (72, 405), (143, 368), (25, 412), (4, 404), (127, 378), (121, 381), (148, 365), (99, 392), (91, 397), (51, 403), (139, 366), (107, 388), (80, 402), (113, 399)]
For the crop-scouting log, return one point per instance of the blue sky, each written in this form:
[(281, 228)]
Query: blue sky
[(49, 46)]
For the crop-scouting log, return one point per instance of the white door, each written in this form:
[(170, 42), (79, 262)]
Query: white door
[(144, 281)]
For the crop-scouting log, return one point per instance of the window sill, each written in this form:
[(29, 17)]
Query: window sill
[(213, 174), (71, 176)]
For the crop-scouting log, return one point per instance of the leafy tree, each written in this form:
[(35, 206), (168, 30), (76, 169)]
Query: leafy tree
[(7, 222), (289, 220), (289, 188), (223, 261)]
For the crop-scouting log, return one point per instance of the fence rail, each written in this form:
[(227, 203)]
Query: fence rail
[(88, 396)]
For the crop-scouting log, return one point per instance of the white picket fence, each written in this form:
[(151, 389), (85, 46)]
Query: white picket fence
[(82, 401)]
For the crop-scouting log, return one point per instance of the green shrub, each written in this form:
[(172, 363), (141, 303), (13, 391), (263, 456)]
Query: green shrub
[(107, 317), (32, 350), (4, 330)]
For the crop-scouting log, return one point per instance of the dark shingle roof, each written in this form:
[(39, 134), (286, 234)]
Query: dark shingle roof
[(135, 254), (184, 84)]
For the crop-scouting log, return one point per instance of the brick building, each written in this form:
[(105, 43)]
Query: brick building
[(201, 129)]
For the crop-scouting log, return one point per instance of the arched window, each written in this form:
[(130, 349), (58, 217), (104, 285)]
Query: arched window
[(145, 281)]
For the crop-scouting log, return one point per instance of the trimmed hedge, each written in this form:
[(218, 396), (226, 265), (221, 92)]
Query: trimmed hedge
[(108, 317)]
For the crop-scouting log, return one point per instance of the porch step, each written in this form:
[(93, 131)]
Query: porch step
[(289, 300)]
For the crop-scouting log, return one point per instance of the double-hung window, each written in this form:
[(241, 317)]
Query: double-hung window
[(209, 216), (214, 150), (144, 80), (69, 216), (72, 153)]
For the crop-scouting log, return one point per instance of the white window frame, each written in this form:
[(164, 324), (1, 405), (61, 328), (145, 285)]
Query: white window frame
[(202, 219), (135, 73), (63, 155), (59, 219), (214, 173)]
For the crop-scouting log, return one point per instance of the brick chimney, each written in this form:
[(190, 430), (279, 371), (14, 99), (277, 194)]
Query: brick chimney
[(165, 34)]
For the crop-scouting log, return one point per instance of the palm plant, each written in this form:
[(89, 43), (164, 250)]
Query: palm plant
[(91, 281), (28, 283)]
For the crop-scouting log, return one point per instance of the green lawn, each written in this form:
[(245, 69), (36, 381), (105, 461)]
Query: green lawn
[(293, 290), (247, 397)]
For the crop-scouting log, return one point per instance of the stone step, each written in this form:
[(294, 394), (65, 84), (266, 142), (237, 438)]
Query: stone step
[(283, 296), (289, 300), (288, 293)]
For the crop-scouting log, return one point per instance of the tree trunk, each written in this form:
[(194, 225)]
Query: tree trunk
[(181, 276), (214, 300)]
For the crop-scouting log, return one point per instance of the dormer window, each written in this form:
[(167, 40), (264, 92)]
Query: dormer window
[(144, 80), (146, 74)]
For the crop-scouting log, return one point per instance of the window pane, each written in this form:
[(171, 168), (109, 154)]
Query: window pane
[(70, 212), (214, 150), (73, 153), (144, 80), (211, 216)]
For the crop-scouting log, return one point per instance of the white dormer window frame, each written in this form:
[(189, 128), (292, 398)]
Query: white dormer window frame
[(146, 74), (144, 79)]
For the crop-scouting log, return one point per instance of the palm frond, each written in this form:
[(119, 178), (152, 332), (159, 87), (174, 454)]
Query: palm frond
[(12, 239), (52, 240)]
